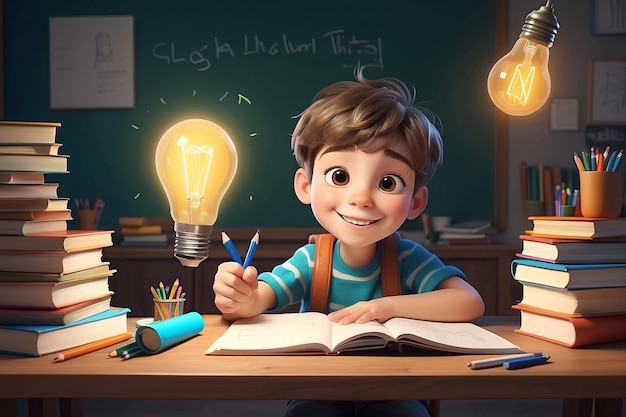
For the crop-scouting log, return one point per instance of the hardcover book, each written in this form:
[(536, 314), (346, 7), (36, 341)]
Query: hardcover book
[(22, 177), (573, 251), (28, 132), (571, 330), (101, 270), (52, 294), (570, 276), (65, 241), (45, 190), (578, 227), (142, 230), (36, 215), (468, 227), (42, 163), (30, 227), (579, 302), (29, 148), (314, 333), (28, 204), (54, 316), (50, 262), (38, 340)]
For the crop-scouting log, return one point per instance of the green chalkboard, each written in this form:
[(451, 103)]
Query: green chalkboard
[(251, 67)]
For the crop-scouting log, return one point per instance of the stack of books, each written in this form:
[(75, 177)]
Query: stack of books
[(146, 231), (54, 286), (467, 232), (28, 204), (573, 276)]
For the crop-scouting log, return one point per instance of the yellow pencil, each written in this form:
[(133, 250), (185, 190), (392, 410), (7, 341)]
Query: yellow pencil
[(579, 163), (91, 347), (174, 288)]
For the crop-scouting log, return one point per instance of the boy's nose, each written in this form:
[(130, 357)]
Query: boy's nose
[(361, 198)]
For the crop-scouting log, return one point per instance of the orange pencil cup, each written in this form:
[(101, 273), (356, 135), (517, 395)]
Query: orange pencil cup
[(600, 193), (88, 219), (168, 308)]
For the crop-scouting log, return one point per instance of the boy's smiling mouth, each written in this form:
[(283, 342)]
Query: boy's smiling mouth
[(357, 222)]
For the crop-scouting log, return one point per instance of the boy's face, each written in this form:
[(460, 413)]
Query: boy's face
[(361, 197)]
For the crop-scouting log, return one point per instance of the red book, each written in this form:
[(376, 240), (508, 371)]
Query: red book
[(571, 331)]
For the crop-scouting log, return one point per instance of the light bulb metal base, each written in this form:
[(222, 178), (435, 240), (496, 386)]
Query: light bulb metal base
[(541, 26), (191, 246)]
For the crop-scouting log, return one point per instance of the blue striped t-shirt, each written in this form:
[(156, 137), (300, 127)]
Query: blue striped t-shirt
[(420, 271)]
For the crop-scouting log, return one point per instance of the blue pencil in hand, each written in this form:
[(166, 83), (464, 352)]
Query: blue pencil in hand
[(251, 249), (230, 247)]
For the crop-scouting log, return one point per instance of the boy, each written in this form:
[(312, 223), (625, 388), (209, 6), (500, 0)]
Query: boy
[(366, 154)]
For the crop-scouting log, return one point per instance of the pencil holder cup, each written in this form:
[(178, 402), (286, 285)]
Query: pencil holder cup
[(88, 219), (167, 308), (568, 211), (600, 193)]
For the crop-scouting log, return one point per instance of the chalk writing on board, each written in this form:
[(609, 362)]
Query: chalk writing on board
[(367, 52)]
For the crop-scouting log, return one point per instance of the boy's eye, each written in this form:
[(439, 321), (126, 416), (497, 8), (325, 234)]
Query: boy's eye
[(391, 184), (337, 176)]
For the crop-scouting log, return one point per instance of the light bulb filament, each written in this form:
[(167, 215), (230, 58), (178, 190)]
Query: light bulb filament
[(522, 80), (197, 162)]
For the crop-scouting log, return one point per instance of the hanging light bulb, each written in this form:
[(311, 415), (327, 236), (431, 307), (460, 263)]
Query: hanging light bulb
[(519, 83), (196, 161)]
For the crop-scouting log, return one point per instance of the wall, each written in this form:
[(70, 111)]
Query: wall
[(530, 138), (429, 45)]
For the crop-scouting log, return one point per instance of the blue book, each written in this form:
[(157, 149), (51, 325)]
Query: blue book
[(568, 276), (36, 340)]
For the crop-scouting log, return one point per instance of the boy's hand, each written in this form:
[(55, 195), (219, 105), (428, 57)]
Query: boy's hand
[(234, 287), (363, 311)]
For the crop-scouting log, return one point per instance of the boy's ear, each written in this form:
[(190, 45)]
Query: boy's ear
[(302, 186), (418, 204)]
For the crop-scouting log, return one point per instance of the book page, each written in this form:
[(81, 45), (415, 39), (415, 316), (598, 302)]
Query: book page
[(449, 337), (352, 336), (285, 332)]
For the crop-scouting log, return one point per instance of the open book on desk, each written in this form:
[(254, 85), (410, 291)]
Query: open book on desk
[(314, 333)]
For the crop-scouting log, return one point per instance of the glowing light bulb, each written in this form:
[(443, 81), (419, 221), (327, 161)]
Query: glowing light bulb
[(519, 83), (196, 161)]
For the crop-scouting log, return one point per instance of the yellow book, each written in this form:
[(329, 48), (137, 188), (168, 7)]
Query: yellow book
[(142, 230)]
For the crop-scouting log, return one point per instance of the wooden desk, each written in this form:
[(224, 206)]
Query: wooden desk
[(184, 372)]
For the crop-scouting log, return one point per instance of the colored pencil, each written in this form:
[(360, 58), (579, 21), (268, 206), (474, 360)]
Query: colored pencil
[(251, 249), (91, 347), (121, 350)]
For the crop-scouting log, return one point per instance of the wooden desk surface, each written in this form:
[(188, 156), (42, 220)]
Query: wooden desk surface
[(185, 372)]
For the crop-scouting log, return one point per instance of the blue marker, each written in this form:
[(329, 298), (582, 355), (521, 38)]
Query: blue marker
[(230, 247), (251, 249), (526, 362)]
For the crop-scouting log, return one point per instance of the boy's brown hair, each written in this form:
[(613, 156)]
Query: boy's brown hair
[(355, 114)]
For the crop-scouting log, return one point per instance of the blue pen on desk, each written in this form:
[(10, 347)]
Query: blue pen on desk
[(526, 362), (251, 249), (230, 247), (499, 361)]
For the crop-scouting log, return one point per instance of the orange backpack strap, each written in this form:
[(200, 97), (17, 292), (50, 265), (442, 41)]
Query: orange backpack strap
[(323, 265), (322, 271), (390, 273)]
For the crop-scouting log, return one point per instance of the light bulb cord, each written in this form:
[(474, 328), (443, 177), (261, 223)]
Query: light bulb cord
[(541, 25)]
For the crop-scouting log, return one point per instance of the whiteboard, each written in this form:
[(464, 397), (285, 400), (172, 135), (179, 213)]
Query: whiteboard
[(92, 62)]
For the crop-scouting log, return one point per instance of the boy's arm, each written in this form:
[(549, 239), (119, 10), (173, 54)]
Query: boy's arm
[(454, 300), (238, 294)]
